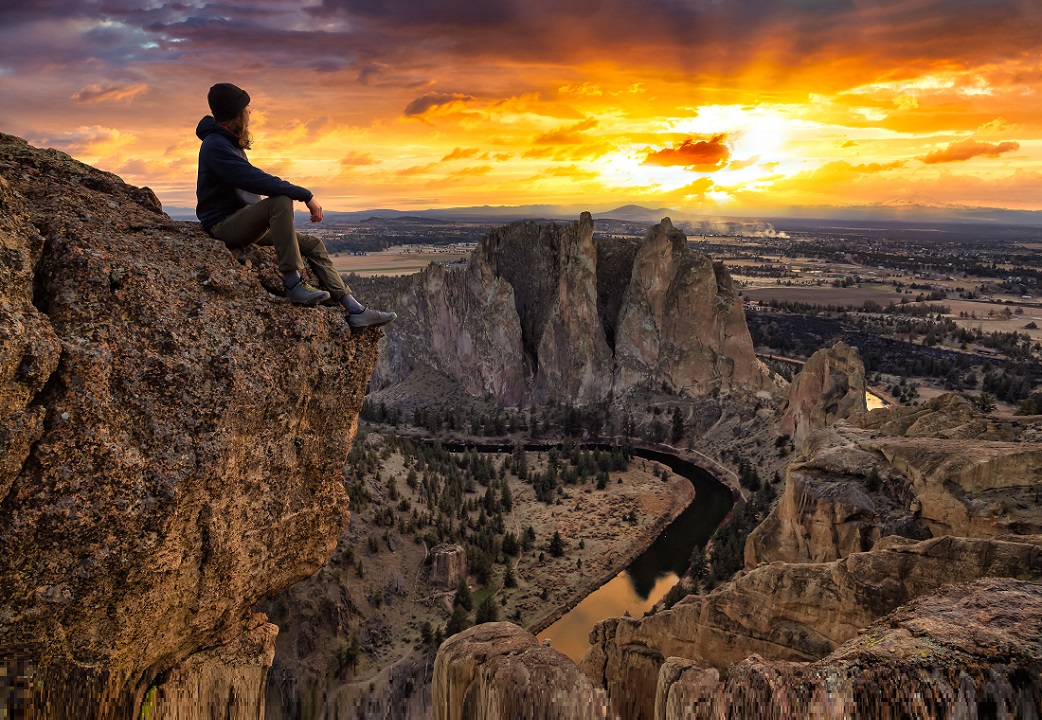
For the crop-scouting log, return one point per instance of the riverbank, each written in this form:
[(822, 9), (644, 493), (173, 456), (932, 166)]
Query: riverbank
[(711, 465), (682, 494)]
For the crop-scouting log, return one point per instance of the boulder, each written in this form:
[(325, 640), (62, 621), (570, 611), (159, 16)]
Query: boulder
[(173, 445), (497, 671)]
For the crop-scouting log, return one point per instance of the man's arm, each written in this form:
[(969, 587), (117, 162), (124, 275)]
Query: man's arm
[(237, 171), (316, 209)]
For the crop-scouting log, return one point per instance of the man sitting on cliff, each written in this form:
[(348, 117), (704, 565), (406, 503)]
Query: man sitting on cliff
[(231, 211)]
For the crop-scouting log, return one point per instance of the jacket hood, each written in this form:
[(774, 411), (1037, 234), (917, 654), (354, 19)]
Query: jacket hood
[(208, 125)]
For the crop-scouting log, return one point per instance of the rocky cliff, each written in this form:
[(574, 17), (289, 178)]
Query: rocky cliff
[(785, 611), (544, 311), (966, 651), (172, 448), (904, 471)]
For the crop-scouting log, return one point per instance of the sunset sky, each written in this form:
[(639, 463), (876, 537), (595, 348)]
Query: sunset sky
[(710, 106)]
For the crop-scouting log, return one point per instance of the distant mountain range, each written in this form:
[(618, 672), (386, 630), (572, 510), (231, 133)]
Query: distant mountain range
[(904, 210)]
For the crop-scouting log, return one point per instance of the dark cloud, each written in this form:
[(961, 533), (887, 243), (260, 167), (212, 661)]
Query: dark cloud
[(968, 149), (370, 70), (433, 99), (455, 13), (788, 41), (701, 155)]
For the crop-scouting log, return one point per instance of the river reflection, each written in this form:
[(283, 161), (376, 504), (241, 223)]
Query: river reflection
[(873, 401), (648, 578), (618, 596)]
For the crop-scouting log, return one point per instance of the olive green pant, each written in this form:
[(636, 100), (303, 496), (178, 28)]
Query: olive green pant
[(270, 223)]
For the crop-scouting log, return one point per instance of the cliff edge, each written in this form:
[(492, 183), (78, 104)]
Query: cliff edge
[(172, 449)]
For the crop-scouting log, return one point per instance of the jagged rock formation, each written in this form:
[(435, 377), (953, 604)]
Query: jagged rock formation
[(173, 445), (790, 612), (497, 671), (967, 651), (448, 566), (681, 321), (544, 312), (830, 387)]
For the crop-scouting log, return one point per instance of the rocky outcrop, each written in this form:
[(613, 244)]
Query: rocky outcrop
[(858, 484), (792, 612), (173, 445), (830, 387), (967, 651), (950, 416), (544, 312), (497, 671), (448, 566)]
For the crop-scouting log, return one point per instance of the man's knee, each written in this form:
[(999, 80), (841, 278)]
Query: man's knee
[(306, 242), (280, 203)]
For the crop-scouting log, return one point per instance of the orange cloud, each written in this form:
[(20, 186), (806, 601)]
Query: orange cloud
[(571, 135), (701, 155), (431, 100), (461, 154), (968, 149), (112, 92), (355, 159)]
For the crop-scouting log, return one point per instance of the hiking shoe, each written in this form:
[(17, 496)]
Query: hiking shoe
[(304, 294), (370, 318)]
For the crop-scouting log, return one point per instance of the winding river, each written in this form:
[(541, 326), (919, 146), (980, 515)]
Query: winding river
[(648, 578)]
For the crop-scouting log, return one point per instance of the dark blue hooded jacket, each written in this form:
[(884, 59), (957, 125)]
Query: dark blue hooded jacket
[(227, 181)]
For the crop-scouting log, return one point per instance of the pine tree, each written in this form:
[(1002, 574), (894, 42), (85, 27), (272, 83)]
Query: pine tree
[(678, 425), (459, 621), (462, 597), (487, 611), (556, 545)]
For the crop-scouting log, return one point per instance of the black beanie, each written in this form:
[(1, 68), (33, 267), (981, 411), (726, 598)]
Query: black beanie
[(227, 101)]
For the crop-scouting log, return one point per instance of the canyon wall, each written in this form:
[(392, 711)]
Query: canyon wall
[(545, 312), (172, 451)]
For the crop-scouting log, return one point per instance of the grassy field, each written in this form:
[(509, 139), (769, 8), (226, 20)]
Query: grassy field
[(399, 260), (996, 321)]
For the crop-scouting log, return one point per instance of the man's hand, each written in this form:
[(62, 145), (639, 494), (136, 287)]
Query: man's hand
[(316, 210)]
